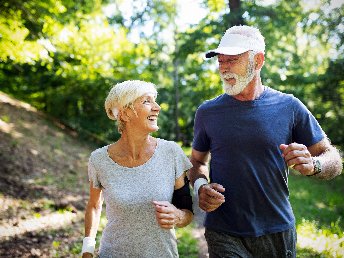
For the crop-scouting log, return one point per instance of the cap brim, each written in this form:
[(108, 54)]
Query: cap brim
[(231, 51)]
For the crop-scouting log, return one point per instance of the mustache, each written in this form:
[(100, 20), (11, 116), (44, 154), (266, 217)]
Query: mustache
[(229, 75)]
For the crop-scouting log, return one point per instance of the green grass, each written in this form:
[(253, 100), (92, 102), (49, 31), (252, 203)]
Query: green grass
[(187, 150), (319, 208), (5, 118), (187, 244)]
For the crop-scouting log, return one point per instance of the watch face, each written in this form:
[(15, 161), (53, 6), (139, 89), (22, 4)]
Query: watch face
[(317, 166)]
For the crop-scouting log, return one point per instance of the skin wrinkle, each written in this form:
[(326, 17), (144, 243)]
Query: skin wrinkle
[(121, 98), (241, 81), (297, 154), (116, 169)]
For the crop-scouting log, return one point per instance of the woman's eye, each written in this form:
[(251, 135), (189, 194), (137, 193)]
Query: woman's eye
[(146, 101)]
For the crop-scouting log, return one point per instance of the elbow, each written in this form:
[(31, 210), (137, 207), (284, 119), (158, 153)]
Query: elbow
[(198, 163), (95, 206), (333, 165), (332, 169), (337, 166)]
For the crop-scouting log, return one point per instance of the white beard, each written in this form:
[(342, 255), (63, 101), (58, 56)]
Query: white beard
[(241, 81)]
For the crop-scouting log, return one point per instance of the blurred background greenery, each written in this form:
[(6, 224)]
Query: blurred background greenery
[(63, 56)]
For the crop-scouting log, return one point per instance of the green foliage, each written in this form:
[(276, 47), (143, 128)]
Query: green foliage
[(330, 93), (187, 244), (318, 207), (63, 57), (317, 200)]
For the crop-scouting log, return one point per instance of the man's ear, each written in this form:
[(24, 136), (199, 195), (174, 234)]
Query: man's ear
[(259, 61)]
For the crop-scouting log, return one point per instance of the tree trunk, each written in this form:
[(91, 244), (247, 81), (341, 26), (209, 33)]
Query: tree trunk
[(235, 16), (176, 87)]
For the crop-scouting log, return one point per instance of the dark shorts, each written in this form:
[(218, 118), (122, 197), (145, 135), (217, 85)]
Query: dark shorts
[(279, 245)]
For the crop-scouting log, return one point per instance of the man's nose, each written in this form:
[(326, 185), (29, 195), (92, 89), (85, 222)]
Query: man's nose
[(223, 68)]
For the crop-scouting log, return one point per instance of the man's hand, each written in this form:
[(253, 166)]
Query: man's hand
[(298, 157), (167, 215), (210, 197)]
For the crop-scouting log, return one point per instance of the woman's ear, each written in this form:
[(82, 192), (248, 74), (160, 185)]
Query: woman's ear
[(127, 114), (259, 61), (123, 115)]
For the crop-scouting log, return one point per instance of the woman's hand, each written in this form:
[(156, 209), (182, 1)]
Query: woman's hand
[(167, 215)]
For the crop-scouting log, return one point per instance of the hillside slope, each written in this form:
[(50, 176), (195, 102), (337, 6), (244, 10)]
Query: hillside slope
[(43, 184)]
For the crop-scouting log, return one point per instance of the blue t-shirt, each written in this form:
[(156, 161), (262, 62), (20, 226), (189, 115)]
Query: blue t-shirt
[(243, 138)]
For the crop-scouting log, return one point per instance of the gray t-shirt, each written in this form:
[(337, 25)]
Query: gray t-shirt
[(132, 229)]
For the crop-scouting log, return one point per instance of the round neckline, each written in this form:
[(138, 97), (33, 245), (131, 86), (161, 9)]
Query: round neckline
[(250, 102), (136, 167)]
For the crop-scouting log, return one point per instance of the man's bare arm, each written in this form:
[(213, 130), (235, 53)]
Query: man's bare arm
[(331, 160), (199, 161), (300, 158), (209, 194)]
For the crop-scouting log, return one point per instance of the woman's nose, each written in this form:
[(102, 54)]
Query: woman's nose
[(156, 106)]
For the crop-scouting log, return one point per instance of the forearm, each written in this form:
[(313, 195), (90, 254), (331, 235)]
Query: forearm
[(92, 219), (198, 170), (185, 217), (331, 164)]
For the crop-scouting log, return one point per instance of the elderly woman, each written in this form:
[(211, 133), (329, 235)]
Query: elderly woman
[(141, 179)]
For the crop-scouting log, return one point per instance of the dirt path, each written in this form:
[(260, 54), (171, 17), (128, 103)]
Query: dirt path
[(41, 198)]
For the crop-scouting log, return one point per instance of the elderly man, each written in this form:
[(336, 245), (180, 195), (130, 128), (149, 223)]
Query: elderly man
[(254, 134)]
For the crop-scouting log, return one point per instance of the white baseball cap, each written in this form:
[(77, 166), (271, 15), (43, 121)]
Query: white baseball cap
[(234, 42)]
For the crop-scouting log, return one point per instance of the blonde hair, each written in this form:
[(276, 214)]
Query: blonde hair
[(123, 95)]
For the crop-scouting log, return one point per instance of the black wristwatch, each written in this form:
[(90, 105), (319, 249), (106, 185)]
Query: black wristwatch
[(317, 166)]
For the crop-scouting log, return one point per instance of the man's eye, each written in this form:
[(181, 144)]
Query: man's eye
[(146, 101), (229, 61)]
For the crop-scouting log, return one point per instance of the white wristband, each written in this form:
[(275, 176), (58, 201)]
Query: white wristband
[(88, 245), (198, 183)]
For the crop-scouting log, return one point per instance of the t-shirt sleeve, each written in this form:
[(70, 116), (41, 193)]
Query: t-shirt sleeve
[(201, 140), (182, 162), (93, 174), (306, 128)]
